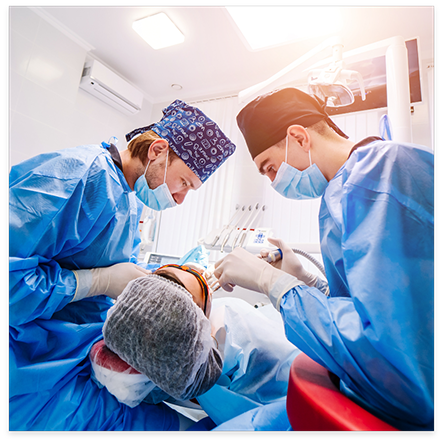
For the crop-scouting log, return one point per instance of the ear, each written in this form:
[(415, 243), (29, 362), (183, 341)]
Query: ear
[(300, 136), (157, 149)]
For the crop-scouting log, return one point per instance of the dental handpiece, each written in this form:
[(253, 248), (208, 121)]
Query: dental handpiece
[(277, 255), (273, 256)]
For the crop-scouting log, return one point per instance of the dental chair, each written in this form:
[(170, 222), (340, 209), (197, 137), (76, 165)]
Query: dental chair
[(315, 403)]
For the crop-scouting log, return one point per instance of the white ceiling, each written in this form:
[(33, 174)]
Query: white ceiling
[(213, 61)]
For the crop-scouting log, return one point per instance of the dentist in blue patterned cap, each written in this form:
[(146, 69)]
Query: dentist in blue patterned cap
[(179, 153), (74, 243)]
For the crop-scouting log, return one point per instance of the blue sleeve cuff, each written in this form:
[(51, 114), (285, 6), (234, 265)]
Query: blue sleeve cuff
[(84, 283), (282, 286), (322, 286)]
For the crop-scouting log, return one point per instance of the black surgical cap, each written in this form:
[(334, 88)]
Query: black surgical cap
[(265, 120)]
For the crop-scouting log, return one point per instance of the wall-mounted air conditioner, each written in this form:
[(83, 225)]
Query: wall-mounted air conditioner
[(108, 87)]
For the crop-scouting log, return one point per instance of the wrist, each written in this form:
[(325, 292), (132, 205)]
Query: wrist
[(282, 286), (84, 283), (268, 277), (100, 280), (309, 279)]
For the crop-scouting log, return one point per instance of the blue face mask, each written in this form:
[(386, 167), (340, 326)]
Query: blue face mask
[(299, 185), (159, 198)]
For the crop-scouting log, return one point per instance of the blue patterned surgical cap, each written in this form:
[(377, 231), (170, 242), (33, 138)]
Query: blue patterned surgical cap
[(193, 136)]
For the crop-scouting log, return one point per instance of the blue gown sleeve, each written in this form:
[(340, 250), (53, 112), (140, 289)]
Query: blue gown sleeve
[(378, 340), (56, 207), (38, 287)]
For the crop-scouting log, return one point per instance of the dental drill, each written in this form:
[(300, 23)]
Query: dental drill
[(277, 254)]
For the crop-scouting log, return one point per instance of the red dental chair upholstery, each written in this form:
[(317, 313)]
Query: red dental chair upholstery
[(105, 358), (315, 403)]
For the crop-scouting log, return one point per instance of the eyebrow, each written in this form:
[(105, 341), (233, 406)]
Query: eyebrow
[(261, 168), (188, 182), (193, 186)]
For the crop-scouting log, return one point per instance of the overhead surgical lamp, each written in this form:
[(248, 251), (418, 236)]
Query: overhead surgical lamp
[(331, 83), (331, 86), (334, 83)]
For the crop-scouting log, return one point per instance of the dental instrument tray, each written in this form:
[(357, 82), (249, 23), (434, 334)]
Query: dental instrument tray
[(241, 231)]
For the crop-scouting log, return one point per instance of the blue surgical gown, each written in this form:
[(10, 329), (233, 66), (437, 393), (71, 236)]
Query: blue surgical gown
[(375, 331), (70, 209)]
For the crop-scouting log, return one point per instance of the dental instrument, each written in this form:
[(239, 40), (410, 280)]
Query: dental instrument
[(276, 255), (246, 222), (225, 227), (231, 229), (273, 256), (208, 274)]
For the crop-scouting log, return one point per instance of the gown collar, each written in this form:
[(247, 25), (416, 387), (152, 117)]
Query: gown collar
[(364, 142)]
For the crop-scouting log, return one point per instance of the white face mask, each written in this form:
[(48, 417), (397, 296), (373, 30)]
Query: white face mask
[(299, 185), (159, 198)]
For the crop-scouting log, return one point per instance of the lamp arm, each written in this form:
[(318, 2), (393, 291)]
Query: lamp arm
[(278, 78)]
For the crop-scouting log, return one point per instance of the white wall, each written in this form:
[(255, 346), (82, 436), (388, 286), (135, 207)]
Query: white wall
[(48, 111)]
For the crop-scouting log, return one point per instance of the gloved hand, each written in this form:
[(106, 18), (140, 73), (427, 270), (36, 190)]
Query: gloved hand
[(207, 274), (108, 281), (246, 270), (112, 280), (290, 263)]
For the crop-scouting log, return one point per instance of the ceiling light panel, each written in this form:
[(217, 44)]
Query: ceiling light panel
[(158, 31), (267, 26)]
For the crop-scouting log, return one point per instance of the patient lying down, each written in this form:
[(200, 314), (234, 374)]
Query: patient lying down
[(157, 328), (170, 350)]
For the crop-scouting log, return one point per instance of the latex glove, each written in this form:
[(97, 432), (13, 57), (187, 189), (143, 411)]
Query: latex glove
[(290, 263), (108, 281), (246, 270)]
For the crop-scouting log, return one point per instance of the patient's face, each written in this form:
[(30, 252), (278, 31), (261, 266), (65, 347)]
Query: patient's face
[(191, 284)]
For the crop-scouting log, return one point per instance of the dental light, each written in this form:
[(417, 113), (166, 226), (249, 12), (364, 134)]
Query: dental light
[(286, 74), (331, 86), (331, 83), (397, 78)]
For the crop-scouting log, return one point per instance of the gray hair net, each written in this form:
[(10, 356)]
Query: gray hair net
[(156, 327)]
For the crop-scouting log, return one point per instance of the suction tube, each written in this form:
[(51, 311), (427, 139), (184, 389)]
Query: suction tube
[(311, 259)]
